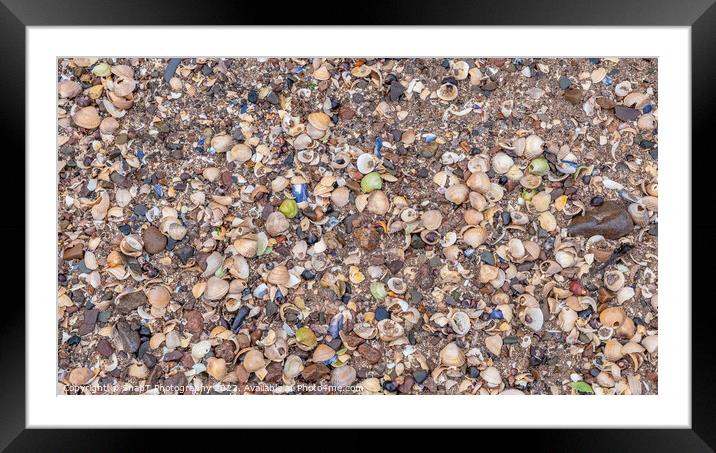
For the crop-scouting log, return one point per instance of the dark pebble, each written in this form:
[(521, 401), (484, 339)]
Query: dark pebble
[(474, 372), (381, 314), (564, 83), (171, 68), (488, 258), (308, 275), (506, 218), (74, 340), (389, 386), (125, 229), (647, 144), (420, 376), (597, 201)]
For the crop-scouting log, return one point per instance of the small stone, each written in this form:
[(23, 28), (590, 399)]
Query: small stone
[(129, 338), (626, 113), (171, 68), (194, 323), (381, 314), (610, 220), (368, 238), (407, 385), (104, 348), (396, 91), (128, 302), (564, 83), (574, 95), (314, 372), (369, 353), (184, 253), (76, 252), (88, 322), (173, 356), (420, 376), (272, 98), (154, 240)]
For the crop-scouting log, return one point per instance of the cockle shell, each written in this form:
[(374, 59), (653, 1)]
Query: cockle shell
[(452, 355)]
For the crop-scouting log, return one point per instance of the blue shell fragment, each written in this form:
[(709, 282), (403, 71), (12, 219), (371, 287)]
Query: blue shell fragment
[(300, 192), (497, 314), (378, 146)]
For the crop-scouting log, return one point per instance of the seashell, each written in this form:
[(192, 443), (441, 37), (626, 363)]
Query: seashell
[(211, 173), (626, 330), (278, 276), (389, 330), (302, 142), (473, 216), (432, 219), (253, 361), (322, 353), (80, 376), (475, 236), (604, 333), (567, 319), (276, 351), (87, 117), (240, 153), (306, 337), (530, 181), (449, 239), (216, 368), (322, 73), (460, 70), (651, 343), (612, 317), (216, 288), (452, 355), (221, 142), (491, 376), (279, 183), (527, 300), (276, 224), (315, 133), (622, 89), (541, 201), (131, 245), (632, 348), (565, 258), (293, 366), (108, 126), (493, 344), (365, 330), (614, 280), (343, 376), (501, 163), (478, 201), (371, 385), (340, 196), (247, 246), (365, 163), (378, 202), (319, 120), (519, 218), (479, 182), (447, 92), (200, 349), (651, 203), (516, 248), (397, 285), (213, 263), (547, 221), (124, 87), (533, 147), (613, 350), (646, 122), (159, 296), (409, 215), (533, 318), (625, 294), (638, 213), (637, 100), (68, 88), (460, 322), (430, 237), (176, 84), (457, 193), (475, 76)]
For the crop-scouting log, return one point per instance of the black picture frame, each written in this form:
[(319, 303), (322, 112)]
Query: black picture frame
[(16, 15)]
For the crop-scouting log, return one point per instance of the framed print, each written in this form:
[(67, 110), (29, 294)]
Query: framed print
[(360, 226)]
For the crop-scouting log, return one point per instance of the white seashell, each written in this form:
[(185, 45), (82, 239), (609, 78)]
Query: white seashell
[(365, 163), (501, 163), (491, 376), (460, 322), (533, 146), (533, 318)]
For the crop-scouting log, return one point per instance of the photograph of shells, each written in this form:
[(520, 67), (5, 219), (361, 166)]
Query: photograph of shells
[(420, 226)]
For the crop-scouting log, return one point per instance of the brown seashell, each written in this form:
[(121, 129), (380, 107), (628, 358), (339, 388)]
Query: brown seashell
[(216, 288), (613, 350), (159, 296), (322, 353), (276, 224), (479, 182), (124, 87), (457, 193), (475, 236), (319, 120), (87, 118), (69, 88), (253, 360), (452, 355), (278, 276), (216, 368), (80, 376), (613, 317), (108, 126)]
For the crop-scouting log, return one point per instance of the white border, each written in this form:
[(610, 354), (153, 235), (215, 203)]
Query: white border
[(671, 408)]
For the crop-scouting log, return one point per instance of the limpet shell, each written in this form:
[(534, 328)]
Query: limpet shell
[(447, 92)]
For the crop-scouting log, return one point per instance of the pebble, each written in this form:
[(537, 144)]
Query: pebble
[(129, 338), (184, 253), (420, 376), (104, 348), (369, 353), (126, 303), (610, 220), (171, 68), (76, 252), (88, 322), (154, 240), (626, 113), (564, 83), (381, 314)]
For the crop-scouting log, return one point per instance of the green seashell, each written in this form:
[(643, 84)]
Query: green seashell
[(527, 194), (539, 166), (289, 208), (262, 244), (306, 337), (377, 289), (101, 70), (370, 182)]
